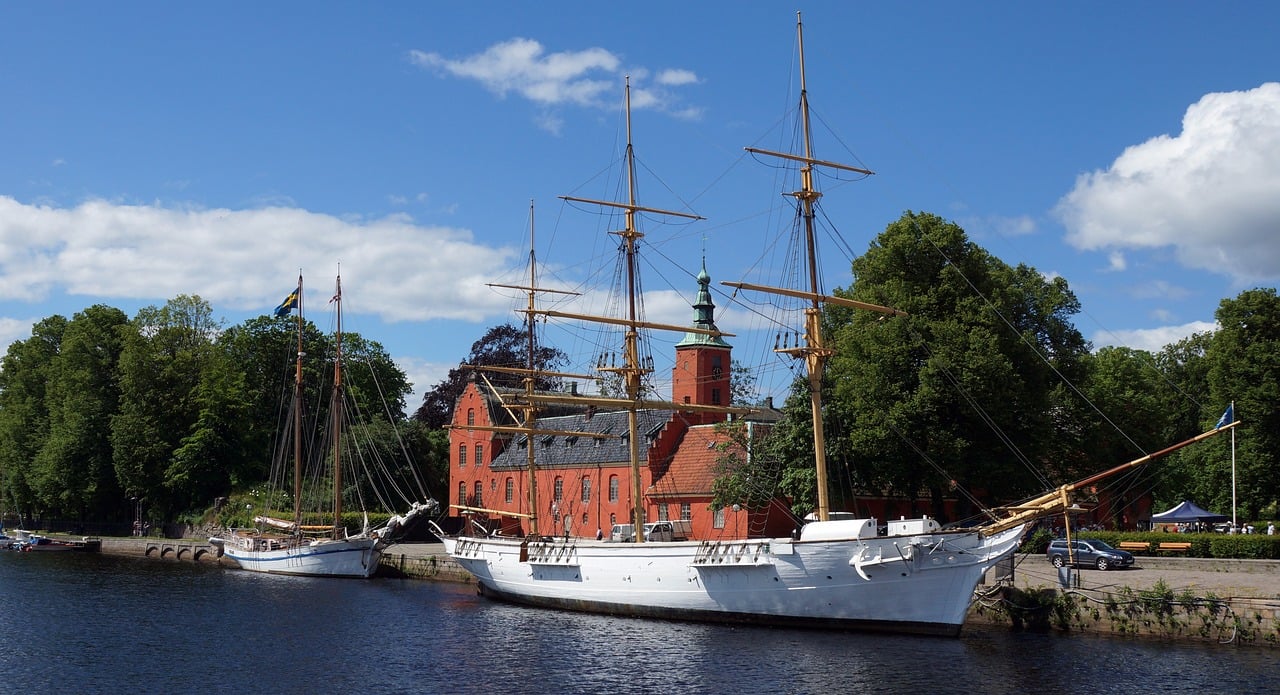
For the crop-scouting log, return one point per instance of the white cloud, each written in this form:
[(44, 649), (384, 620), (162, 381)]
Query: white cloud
[(246, 259), (13, 330), (676, 77), (423, 375), (522, 66), (1151, 339), (1211, 193), (589, 78)]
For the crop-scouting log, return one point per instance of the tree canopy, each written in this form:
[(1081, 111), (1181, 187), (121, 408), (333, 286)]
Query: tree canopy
[(986, 386), (500, 346), (174, 410)]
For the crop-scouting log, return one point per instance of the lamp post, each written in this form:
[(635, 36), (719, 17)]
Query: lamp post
[(137, 515)]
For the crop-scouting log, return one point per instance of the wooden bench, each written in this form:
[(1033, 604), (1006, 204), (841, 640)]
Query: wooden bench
[(1175, 547), (1136, 545)]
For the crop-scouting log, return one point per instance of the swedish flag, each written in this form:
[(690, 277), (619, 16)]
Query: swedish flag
[(289, 304)]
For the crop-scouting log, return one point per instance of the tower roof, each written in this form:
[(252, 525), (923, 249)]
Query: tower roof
[(704, 316)]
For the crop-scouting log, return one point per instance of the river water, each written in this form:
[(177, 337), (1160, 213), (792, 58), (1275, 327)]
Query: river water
[(93, 623)]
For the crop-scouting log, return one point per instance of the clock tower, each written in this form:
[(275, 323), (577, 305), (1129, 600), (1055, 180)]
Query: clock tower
[(701, 374)]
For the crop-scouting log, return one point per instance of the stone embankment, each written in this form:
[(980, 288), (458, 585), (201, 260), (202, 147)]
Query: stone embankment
[(410, 560), (1199, 599), (1208, 600)]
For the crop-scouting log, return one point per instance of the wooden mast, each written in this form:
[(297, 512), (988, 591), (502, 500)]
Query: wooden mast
[(814, 351), (530, 411), (529, 374), (297, 420), (632, 369), (337, 418)]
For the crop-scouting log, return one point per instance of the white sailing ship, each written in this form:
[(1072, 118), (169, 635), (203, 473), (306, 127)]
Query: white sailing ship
[(909, 575), (288, 546)]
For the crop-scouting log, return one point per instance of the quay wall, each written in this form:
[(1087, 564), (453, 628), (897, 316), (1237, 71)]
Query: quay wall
[(1215, 601), (1184, 599), (406, 560)]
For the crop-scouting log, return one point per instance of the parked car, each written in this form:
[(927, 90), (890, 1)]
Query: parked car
[(1088, 553)]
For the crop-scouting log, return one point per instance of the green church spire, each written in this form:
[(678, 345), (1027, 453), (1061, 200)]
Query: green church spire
[(704, 311)]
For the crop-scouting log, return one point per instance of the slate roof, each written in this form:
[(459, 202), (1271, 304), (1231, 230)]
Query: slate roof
[(575, 451)]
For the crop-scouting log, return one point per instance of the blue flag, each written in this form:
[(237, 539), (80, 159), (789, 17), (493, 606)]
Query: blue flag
[(1228, 417), (289, 304)]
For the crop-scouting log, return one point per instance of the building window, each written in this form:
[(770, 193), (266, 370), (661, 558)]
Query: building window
[(613, 488), (663, 513), (613, 520), (462, 492), (471, 416), (511, 490), (479, 455), (462, 456), (559, 489), (479, 494), (718, 520), (586, 489), (686, 512), (715, 396)]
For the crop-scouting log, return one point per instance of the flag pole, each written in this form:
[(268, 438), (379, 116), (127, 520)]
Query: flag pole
[(1233, 469)]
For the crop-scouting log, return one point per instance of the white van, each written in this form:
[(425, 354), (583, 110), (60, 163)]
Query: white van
[(657, 531), (623, 533)]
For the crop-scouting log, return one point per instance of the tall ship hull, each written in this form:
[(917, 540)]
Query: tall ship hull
[(904, 576), (919, 584)]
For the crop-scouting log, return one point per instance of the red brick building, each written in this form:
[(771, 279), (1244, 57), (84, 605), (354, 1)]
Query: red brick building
[(583, 481)]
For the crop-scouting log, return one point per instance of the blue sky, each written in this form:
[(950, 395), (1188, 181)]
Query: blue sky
[(153, 149)]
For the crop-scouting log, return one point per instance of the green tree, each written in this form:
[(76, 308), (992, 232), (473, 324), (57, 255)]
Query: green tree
[(1184, 366), (501, 346), (162, 367), (72, 475), (1124, 383), (1245, 369), (24, 412), (759, 464), (964, 389), (264, 350)]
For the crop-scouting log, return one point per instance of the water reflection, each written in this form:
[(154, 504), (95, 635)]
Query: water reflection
[(92, 623)]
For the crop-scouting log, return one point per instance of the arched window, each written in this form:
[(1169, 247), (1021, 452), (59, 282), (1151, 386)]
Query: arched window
[(462, 456), (479, 501), (511, 490), (559, 491), (479, 455), (471, 416), (586, 489), (613, 488), (462, 492)]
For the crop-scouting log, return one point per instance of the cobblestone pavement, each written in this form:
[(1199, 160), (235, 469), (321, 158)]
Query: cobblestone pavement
[(1236, 579)]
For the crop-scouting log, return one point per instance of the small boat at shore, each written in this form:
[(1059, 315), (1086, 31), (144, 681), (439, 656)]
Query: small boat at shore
[(26, 541)]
